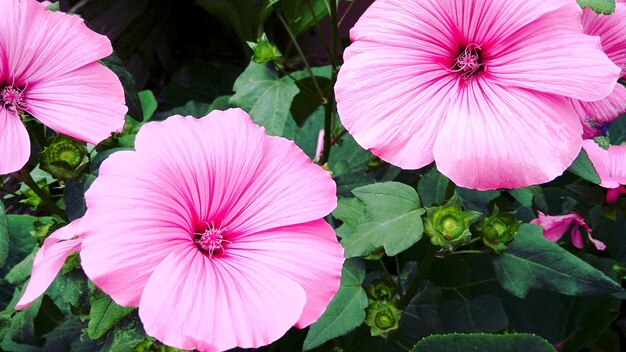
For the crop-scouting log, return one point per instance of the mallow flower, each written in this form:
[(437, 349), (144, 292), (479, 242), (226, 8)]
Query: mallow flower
[(212, 228), (479, 86), (554, 227), (597, 115), (49, 69), (611, 167)]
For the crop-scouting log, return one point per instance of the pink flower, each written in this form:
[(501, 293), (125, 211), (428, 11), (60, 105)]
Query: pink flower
[(611, 167), (596, 115), (49, 68), (479, 87), (214, 230), (554, 227)]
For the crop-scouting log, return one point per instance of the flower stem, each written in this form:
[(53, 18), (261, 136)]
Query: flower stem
[(24, 176), (422, 271), (330, 101)]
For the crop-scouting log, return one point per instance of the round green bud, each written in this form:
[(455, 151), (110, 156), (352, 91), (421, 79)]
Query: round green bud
[(263, 50), (63, 158)]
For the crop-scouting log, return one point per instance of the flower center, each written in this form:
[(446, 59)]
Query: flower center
[(211, 240), (469, 61), (12, 98)]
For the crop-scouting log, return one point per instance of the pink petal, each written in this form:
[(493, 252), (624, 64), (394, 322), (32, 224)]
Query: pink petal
[(210, 160), (286, 189), (320, 145), (39, 45), (86, 104), (612, 31), (612, 195), (308, 254), (609, 164), (538, 57), (393, 100), (518, 138), (577, 238), (14, 142), (554, 227), (617, 165), (223, 303), (136, 216), (49, 260), (596, 114)]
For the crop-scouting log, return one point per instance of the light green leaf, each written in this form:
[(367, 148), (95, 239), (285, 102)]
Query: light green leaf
[(483, 343), (265, 96), (392, 220), (531, 261), (148, 104), (600, 6), (346, 310)]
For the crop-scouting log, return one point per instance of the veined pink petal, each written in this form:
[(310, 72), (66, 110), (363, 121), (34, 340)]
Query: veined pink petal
[(404, 95), (594, 115), (86, 104), (518, 137), (308, 254), (612, 30), (137, 214), (554, 227), (610, 164), (39, 45), (14, 142), (226, 303), (49, 260), (319, 149), (284, 178)]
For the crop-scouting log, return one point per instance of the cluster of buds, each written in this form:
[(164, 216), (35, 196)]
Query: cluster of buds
[(382, 313)]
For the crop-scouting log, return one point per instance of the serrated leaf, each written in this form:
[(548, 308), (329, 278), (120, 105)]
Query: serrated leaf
[(599, 6), (531, 261), (432, 187), (480, 314), (346, 310), (4, 237), (392, 220), (104, 314), (583, 168), (265, 96), (483, 343)]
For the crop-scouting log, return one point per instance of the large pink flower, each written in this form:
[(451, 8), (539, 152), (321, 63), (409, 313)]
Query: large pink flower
[(479, 87), (214, 230), (611, 167), (554, 227), (49, 68), (596, 115)]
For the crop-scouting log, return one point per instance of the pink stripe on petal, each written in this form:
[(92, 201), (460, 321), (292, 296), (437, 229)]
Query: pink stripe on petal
[(49, 260), (86, 104), (596, 114), (14, 142), (223, 303)]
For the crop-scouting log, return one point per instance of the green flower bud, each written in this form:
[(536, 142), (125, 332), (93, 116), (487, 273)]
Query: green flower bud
[(498, 229), (263, 50), (448, 225), (63, 158), (382, 317), (382, 290)]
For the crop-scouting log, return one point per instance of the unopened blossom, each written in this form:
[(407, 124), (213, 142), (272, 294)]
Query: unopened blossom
[(49, 69), (597, 115), (481, 87), (214, 230), (554, 227), (611, 167)]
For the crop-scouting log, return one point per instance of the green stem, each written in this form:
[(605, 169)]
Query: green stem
[(398, 275), (320, 32), (470, 284), (330, 106), (299, 50), (422, 271), (24, 176), (471, 251), (382, 265)]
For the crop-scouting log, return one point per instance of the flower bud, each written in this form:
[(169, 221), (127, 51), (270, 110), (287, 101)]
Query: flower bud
[(382, 290), (382, 317), (498, 229), (448, 225), (263, 50), (63, 158)]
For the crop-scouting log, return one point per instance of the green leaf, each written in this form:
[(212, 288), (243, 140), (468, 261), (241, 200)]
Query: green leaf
[(299, 15), (599, 6), (148, 104), (265, 96), (348, 157), (104, 314), (583, 168), (21, 240), (19, 331), (20, 271), (481, 314), (432, 187), (243, 17), (617, 131), (529, 196), (4, 237), (477, 200), (74, 196), (483, 343), (531, 261), (346, 310), (128, 82), (392, 220)]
